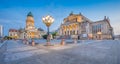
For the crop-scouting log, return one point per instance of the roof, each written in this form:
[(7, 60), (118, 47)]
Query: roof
[(30, 14), (75, 16), (104, 20), (13, 30), (21, 30), (40, 29)]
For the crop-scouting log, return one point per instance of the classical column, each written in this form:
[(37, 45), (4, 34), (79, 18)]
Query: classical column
[(65, 30), (63, 33), (72, 30), (75, 29), (68, 30)]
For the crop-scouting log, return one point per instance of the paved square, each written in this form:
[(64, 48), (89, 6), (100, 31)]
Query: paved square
[(88, 52)]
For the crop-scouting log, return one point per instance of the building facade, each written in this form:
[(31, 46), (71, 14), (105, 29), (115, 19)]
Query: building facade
[(13, 33), (102, 29), (41, 32), (80, 27), (30, 31)]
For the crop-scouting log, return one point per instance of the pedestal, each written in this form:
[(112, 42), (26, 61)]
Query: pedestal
[(48, 41)]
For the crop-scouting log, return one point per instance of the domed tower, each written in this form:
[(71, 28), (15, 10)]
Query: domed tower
[(29, 21)]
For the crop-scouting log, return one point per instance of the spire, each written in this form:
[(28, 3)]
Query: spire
[(108, 18), (105, 18), (71, 13), (30, 14), (80, 13)]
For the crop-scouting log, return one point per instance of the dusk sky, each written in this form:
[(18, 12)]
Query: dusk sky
[(13, 13)]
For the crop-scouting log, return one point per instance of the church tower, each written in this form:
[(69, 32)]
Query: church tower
[(29, 21), (30, 28)]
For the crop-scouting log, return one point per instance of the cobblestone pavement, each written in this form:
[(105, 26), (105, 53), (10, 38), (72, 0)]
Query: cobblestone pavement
[(94, 52)]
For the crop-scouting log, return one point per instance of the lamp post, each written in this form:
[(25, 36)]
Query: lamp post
[(48, 20)]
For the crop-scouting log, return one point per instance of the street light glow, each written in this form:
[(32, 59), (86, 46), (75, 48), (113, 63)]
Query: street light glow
[(48, 20)]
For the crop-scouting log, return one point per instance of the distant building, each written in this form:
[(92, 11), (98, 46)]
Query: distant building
[(79, 26), (13, 33), (41, 32), (29, 31), (1, 31), (22, 33), (102, 29)]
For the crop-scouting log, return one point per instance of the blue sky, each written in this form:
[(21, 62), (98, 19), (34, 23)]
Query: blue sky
[(13, 12)]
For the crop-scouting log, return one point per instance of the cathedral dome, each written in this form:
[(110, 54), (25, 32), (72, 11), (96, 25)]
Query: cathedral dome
[(30, 14), (30, 17)]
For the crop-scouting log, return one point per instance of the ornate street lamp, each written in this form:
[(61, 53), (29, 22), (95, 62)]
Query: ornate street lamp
[(48, 20)]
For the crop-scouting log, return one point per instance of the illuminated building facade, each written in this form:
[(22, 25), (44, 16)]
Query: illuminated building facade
[(80, 27), (30, 30)]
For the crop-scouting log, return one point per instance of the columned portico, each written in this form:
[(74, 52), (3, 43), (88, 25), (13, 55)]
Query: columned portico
[(71, 29), (80, 26)]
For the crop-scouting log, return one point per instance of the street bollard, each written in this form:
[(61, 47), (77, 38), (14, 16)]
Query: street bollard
[(27, 42), (33, 43), (75, 40), (48, 44), (62, 42)]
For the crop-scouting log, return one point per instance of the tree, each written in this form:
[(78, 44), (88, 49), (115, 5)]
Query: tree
[(54, 34), (45, 36), (7, 37)]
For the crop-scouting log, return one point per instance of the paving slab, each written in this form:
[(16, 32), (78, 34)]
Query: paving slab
[(89, 52)]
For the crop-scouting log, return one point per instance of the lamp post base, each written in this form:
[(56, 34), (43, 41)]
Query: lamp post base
[(48, 44), (48, 40), (62, 42)]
